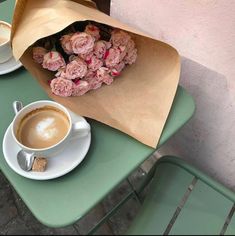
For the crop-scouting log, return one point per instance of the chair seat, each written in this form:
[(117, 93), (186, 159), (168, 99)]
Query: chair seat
[(184, 201)]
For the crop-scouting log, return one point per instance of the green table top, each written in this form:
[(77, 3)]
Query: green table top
[(111, 158)]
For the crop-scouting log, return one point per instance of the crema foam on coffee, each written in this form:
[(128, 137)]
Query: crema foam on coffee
[(43, 127)]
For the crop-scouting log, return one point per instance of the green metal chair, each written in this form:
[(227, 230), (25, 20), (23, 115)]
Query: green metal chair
[(184, 201)]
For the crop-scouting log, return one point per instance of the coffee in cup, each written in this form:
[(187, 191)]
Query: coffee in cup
[(43, 127), (5, 47)]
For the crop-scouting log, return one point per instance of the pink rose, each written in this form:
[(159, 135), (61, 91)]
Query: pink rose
[(80, 88), (116, 70), (131, 54), (112, 57), (87, 57), (62, 87), (93, 80), (119, 38), (74, 69), (123, 52), (90, 74), (82, 43), (38, 54), (131, 57), (66, 43), (130, 45), (94, 63), (103, 75), (100, 48), (93, 31), (53, 61)]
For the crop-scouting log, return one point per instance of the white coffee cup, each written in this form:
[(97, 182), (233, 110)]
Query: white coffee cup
[(75, 130), (5, 47)]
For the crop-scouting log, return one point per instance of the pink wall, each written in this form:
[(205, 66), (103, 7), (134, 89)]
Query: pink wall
[(203, 31)]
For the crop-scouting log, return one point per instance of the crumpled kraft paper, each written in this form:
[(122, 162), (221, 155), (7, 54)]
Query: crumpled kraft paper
[(138, 102)]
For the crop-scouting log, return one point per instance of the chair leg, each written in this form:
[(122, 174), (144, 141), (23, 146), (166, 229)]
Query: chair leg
[(111, 213), (136, 194)]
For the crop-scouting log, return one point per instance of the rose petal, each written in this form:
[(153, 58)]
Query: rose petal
[(82, 43), (62, 87), (53, 61)]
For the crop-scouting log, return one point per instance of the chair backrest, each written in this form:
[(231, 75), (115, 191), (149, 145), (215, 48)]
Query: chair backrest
[(183, 200)]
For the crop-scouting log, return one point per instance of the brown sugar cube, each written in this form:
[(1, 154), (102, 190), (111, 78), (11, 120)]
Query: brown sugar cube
[(39, 164)]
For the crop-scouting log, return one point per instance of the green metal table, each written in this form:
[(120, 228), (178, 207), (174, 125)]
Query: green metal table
[(112, 156)]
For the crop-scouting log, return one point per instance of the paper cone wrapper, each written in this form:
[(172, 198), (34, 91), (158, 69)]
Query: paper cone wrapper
[(138, 102)]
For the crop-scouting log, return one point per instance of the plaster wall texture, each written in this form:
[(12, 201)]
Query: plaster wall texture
[(203, 31)]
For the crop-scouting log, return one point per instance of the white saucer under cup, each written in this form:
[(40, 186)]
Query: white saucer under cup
[(58, 165), (7, 61), (9, 66)]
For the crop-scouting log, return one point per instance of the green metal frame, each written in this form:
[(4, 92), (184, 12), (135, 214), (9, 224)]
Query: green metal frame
[(200, 175), (188, 201), (135, 193), (113, 211)]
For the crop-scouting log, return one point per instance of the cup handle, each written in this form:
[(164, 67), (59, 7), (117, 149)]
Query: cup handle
[(80, 129)]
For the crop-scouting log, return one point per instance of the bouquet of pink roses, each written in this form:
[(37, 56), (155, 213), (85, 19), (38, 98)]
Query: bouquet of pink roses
[(79, 49), (86, 58)]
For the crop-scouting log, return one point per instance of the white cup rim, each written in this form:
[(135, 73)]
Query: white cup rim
[(9, 25), (63, 108)]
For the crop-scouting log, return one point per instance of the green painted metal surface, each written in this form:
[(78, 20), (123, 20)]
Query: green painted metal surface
[(200, 175), (111, 158), (167, 189), (182, 110), (231, 227), (6, 10), (204, 213)]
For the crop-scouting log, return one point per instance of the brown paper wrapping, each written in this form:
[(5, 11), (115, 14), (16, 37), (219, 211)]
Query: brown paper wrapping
[(138, 102)]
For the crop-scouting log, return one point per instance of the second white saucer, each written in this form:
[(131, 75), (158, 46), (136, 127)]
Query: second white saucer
[(9, 66)]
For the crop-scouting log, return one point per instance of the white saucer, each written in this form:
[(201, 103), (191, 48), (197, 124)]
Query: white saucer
[(9, 66), (59, 165)]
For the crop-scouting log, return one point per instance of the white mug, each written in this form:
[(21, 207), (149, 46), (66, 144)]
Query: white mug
[(5, 47), (75, 130)]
